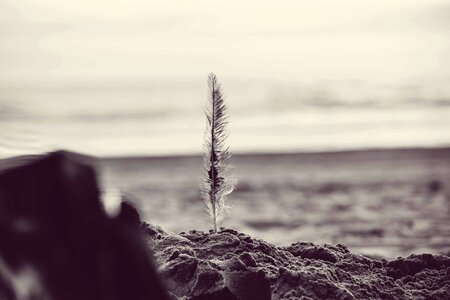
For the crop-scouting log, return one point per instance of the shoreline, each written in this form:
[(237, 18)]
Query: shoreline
[(343, 152)]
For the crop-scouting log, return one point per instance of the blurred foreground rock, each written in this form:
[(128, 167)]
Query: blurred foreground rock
[(232, 265), (56, 241)]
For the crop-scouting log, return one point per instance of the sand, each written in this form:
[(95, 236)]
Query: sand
[(233, 265)]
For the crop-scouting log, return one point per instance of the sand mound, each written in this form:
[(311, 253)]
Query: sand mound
[(232, 265)]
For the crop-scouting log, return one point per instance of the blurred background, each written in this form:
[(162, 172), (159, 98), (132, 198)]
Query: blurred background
[(126, 81)]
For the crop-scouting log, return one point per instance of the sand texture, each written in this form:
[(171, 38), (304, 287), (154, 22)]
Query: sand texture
[(233, 265)]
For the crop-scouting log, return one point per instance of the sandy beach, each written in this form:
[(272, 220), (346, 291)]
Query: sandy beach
[(388, 203)]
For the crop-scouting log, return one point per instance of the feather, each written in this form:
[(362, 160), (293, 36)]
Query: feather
[(216, 185)]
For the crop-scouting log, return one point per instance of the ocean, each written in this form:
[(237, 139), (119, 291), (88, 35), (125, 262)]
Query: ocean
[(386, 203)]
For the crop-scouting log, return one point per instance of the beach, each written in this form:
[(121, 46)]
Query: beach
[(386, 202), (53, 204)]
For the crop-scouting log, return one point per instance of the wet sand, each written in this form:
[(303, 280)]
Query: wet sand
[(378, 202)]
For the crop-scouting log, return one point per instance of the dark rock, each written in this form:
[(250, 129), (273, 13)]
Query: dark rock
[(53, 227), (129, 214)]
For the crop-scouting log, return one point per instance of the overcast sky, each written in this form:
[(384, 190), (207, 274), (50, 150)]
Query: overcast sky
[(383, 40)]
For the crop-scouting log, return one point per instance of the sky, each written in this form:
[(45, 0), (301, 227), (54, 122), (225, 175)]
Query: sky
[(128, 77), (49, 41)]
